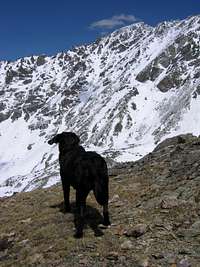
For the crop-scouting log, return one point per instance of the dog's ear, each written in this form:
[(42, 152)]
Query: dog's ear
[(71, 139), (55, 139), (76, 139)]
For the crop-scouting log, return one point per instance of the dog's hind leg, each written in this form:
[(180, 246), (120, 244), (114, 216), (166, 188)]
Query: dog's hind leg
[(101, 195), (81, 206), (106, 219)]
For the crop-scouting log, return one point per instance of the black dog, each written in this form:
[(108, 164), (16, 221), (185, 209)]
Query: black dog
[(85, 171)]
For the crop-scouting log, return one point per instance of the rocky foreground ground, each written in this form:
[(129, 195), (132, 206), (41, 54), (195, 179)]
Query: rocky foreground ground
[(155, 213)]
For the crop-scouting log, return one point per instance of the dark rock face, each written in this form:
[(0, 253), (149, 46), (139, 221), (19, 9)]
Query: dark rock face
[(40, 60), (150, 73), (16, 114), (171, 81), (118, 128), (174, 60), (10, 74), (4, 116), (196, 92)]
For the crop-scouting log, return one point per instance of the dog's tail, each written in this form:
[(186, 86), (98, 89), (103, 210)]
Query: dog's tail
[(101, 180)]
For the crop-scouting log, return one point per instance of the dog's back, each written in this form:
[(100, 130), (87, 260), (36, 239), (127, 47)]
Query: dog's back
[(86, 170)]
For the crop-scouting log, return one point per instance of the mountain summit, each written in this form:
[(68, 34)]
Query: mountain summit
[(122, 95)]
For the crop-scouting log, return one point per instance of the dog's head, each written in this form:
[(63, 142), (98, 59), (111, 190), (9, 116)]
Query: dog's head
[(65, 140)]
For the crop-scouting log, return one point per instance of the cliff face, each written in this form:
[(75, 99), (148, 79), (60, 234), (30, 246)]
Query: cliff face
[(122, 94), (154, 208)]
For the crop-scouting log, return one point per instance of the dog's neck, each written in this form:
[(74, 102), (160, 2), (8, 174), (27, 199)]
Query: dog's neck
[(64, 150), (69, 151)]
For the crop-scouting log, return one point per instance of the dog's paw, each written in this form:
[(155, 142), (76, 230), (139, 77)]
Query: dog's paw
[(102, 226), (106, 222), (67, 209), (78, 234)]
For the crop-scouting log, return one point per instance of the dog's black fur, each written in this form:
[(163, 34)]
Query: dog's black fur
[(84, 171)]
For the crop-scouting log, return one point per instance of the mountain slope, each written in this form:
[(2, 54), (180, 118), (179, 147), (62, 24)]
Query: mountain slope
[(154, 208), (121, 94)]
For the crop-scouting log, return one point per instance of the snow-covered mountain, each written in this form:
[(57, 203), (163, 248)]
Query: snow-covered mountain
[(122, 94)]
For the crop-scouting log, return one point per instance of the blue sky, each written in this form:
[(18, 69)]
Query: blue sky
[(49, 26)]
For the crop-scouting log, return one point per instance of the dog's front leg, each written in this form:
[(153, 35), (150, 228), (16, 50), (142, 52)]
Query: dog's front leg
[(66, 198), (66, 192)]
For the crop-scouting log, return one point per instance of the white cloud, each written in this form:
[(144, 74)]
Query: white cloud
[(113, 22)]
